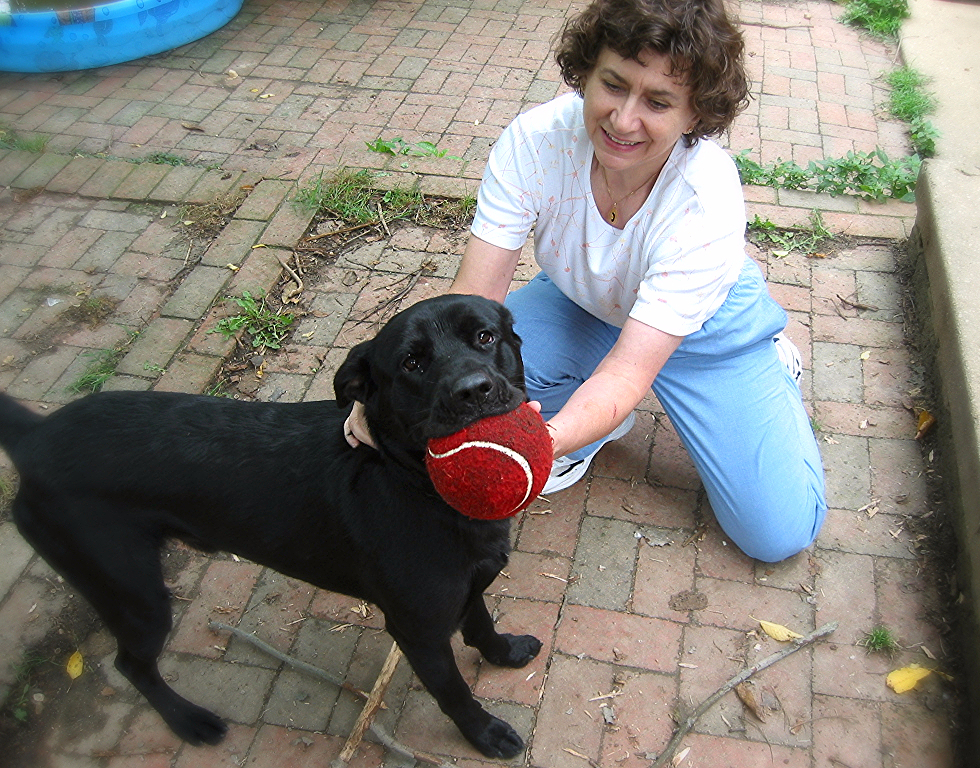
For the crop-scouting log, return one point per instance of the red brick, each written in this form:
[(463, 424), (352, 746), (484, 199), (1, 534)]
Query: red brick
[(538, 576), (278, 747), (222, 597), (717, 752), (661, 573), (568, 719), (525, 684), (620, 638), (846, 731)]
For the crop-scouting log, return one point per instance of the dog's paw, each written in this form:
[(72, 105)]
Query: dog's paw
[(498, 740), (518, 651), (197, 726)]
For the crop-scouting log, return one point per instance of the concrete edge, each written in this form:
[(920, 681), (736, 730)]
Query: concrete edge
[(946, 285)]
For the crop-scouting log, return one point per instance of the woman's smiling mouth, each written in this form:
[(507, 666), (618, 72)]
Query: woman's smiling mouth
[(619, 142)]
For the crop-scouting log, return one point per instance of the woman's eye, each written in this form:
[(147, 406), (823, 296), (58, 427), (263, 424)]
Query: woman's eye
[(485, 338)]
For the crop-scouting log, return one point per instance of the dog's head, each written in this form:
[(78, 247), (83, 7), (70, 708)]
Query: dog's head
[(433, 369)]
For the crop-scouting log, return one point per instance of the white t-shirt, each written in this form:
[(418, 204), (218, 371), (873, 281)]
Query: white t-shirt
[(672, 265)]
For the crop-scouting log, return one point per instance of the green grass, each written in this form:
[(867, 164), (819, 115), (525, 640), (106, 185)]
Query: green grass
[(880, 640), (10, 139), (910, 101), (99, 371), (262, 325), (347, 194), (17, 699), (882, 18), (354, 197)]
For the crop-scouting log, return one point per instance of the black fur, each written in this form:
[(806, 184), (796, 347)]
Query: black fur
[(106, 479)]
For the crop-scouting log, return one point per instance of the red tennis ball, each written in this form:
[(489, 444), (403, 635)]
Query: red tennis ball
[(495, 467)]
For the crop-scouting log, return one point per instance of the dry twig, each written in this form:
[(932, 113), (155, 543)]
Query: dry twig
[(741, 677)]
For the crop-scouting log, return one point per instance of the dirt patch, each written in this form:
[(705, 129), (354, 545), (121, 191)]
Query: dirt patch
[(44, 700)]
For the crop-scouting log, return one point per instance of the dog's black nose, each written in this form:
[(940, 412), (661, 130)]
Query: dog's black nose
[(472, 388)]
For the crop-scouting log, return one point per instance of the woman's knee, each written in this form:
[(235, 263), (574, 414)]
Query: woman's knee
[(775, 535)]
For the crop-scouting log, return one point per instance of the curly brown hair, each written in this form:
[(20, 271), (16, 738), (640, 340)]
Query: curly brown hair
[(703, 45)]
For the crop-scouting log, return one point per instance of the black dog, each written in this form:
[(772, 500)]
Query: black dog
[(105, 479)]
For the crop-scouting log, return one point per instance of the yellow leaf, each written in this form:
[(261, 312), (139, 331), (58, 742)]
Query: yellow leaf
[(906, 678), (75, 665), (778, 631), (926, 422)]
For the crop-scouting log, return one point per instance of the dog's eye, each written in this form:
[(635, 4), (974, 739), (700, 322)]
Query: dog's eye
[(411, 364), (485, 337)]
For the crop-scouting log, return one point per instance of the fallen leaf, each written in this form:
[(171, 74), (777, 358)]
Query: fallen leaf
[(680, 757), (778, 631), (906, 678), (191, 127), (75, 665), (747, 696), (926, 422)]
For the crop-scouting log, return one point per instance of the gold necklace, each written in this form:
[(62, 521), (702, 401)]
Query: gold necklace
[(615, 205)]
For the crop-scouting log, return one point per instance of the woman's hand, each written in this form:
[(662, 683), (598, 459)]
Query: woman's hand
[(356, 429)]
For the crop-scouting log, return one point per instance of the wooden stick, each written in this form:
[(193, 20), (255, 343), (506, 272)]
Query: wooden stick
[(373, 703), (386, 739), (741, 677)]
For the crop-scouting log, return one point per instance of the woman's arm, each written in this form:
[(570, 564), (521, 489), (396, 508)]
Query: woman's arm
[(486, 270), (616, 387)]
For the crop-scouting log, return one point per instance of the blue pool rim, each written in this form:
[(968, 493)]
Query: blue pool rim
[(110, 33)]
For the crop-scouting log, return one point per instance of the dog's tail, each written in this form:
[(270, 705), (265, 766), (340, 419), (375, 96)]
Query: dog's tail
[(15, 422)]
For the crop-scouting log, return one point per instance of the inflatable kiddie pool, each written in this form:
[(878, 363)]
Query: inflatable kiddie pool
[(87, 36)]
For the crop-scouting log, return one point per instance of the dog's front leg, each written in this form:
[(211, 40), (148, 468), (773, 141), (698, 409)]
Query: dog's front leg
[(504, 650), (436, 667)]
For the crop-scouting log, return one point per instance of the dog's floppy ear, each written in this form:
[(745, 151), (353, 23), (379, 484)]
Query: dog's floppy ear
[(353, 379)]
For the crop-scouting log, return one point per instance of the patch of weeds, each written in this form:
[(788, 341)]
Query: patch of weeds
[(880, 640), (352, 196), (92, 310), (871, 175), (10, 139), (17, 700), (265, 327), (205, 221), (100, 370), (398, 146), (8, 490), (882, 18), (911, 102), (909, 99), (165, 158), (786, 240), (218, 389), (348, 195)]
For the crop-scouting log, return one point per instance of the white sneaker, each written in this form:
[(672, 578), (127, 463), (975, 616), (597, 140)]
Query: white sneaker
[(789, 356), (566, 471)]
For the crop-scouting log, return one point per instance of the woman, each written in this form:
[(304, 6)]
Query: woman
[(639, 224)]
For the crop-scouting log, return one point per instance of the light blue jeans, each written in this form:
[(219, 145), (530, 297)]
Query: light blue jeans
[(735, 407)]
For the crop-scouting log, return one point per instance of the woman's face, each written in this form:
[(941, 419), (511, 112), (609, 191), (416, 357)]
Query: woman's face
[(635, 112)]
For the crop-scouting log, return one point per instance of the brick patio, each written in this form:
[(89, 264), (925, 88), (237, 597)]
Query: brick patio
[(633, 600)]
